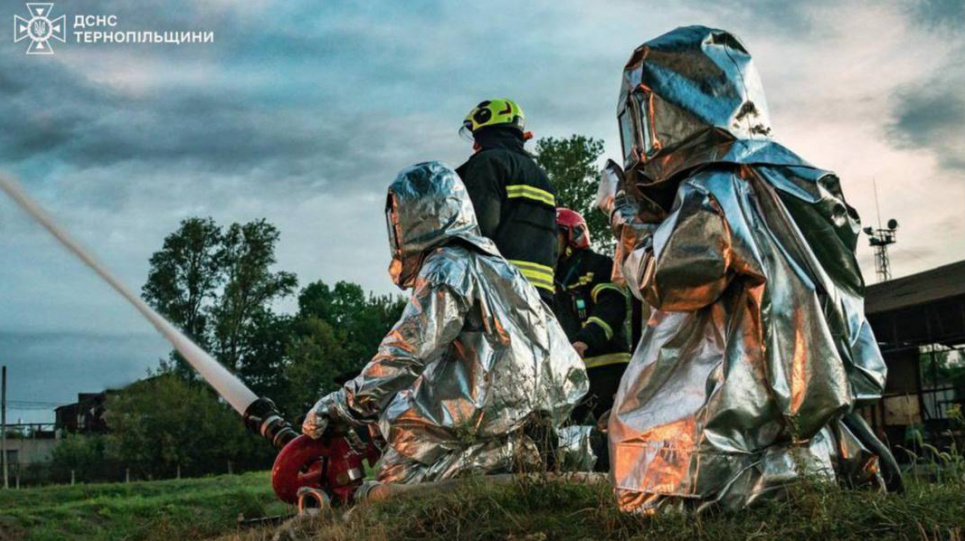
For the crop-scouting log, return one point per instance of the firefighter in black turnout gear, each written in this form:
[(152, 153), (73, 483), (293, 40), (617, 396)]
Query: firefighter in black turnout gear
[(512, 196), (591, 310)]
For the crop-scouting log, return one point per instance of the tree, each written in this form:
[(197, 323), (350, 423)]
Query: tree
[(361, 321), (572, 168), (246, 255), (317, 359), (336, 331), (374, 322), (184, 277), (264, 365), (942, 366), (218, 287), (85, 456)]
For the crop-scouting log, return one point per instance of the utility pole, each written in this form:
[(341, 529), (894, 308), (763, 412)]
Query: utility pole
[(3, 427)]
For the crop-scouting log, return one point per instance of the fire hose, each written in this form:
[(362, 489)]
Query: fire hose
[(332, 464)]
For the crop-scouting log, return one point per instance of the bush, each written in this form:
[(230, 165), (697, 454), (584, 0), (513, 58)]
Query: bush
[(86, 456), (164, 422)]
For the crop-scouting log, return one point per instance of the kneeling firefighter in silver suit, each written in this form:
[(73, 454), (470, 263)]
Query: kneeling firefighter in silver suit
[(475, 362), (756, 352)]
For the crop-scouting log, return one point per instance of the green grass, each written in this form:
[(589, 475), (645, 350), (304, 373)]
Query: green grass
[(553, 510), (525, 510), (175, 509)]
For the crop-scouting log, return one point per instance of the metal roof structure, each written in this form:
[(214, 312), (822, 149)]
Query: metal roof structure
[(921, 309), (917, 319), (943, 282)]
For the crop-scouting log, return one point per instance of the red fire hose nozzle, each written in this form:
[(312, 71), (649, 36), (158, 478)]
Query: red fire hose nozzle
[(330, 464)]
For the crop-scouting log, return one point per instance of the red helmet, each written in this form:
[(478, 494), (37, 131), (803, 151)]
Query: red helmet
[(572, 224)]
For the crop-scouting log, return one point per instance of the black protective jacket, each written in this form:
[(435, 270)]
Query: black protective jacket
[(591, 308), (515, 204)]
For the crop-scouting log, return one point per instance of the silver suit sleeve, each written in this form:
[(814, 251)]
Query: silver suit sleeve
[(430, 322)]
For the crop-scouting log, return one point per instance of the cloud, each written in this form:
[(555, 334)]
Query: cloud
[(86, 362), (791, 19), (84, 126), (931, 115), (944, 14)]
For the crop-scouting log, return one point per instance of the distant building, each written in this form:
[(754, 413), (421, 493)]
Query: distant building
[(86, 416), (33, 444), (32, 447), (918, 320), (28, 445)]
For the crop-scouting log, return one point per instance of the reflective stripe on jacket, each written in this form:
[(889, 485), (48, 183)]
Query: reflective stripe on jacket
[(515, 205)]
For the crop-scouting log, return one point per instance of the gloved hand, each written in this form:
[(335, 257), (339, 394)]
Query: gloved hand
[(611, 182), (317, 420)]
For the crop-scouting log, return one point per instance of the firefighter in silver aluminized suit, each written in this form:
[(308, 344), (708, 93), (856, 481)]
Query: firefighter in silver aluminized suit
[(474, 362), (756, 352)]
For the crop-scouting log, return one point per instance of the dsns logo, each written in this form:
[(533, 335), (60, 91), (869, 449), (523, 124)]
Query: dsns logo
[(39, 28)]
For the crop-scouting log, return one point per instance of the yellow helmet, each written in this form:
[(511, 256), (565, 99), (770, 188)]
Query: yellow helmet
[(495, 112)]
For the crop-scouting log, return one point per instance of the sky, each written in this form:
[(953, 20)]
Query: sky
[(304, 114)]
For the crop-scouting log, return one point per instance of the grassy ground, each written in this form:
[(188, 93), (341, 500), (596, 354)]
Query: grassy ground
[(551, 510), (176, 509), (532, 511)]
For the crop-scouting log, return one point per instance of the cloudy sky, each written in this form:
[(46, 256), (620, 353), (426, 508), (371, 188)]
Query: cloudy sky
[(302, 115)]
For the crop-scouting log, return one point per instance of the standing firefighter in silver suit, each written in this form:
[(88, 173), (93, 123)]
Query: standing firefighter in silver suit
[(756, 352), (476, 365)]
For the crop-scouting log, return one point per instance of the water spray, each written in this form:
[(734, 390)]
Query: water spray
[(260, 414)]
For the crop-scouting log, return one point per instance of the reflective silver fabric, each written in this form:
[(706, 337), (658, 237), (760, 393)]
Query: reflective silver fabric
[(694, 97), (430, 209), (575, 452), (476, 356), (756, 347)]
